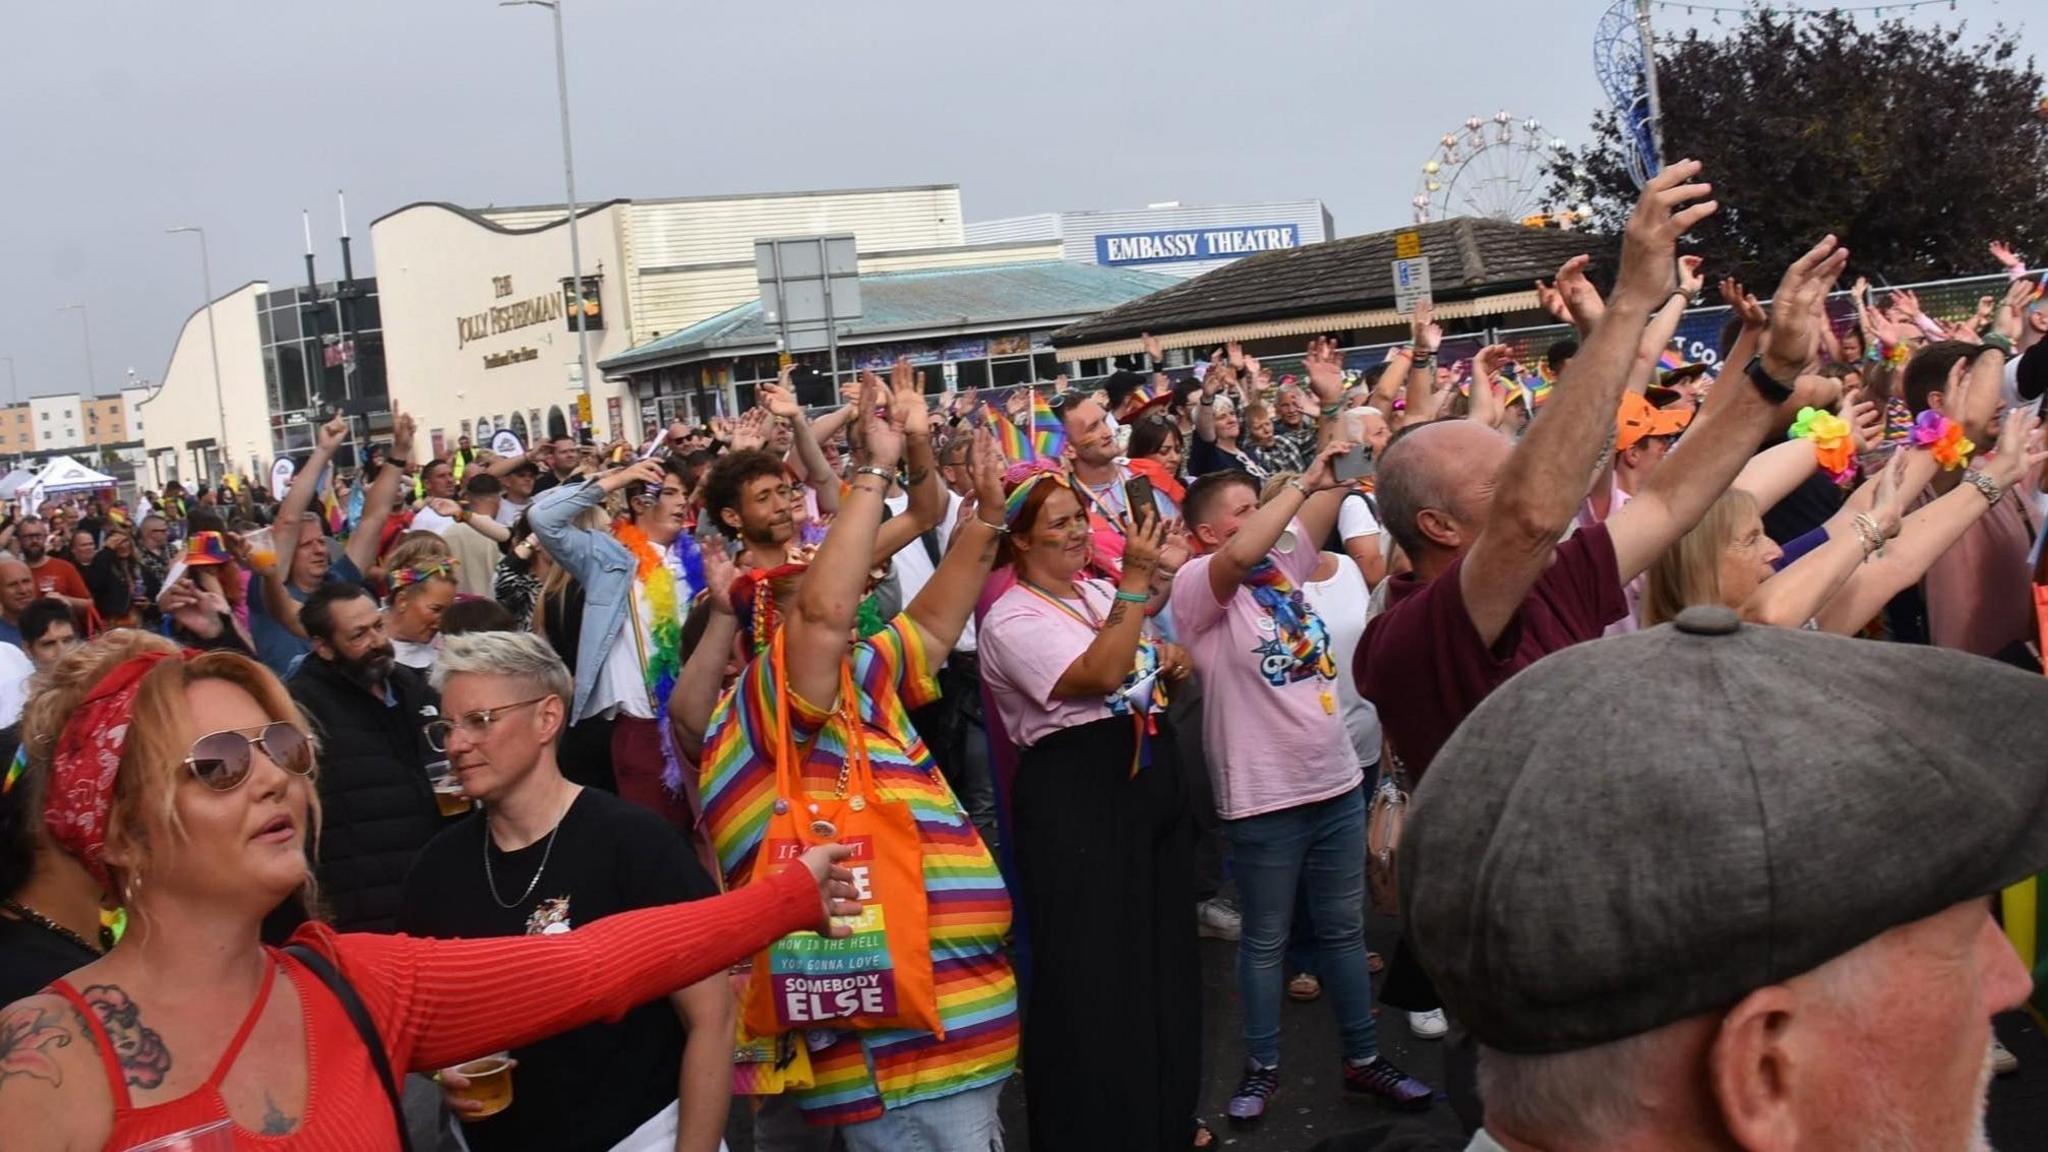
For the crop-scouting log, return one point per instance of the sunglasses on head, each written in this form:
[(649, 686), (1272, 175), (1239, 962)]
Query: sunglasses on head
[(221, 760)]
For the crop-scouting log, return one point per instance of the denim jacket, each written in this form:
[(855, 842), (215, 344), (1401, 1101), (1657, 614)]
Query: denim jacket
[(604, 567)]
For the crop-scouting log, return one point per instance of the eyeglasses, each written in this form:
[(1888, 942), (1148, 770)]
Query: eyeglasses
[(221, 760), (475, 725)]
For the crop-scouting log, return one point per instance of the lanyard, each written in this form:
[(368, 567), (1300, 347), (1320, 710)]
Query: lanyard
[(1102, 506), (1093, 622)]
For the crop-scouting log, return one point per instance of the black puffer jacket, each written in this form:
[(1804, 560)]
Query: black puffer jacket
[(376, 807)]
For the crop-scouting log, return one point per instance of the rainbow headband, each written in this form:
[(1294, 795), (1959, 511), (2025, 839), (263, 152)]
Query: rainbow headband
[(1013, 505), (421, 573)]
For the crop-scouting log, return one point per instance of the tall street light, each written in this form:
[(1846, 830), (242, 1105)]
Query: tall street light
[(85, 319), (212, 341), (569, 177)]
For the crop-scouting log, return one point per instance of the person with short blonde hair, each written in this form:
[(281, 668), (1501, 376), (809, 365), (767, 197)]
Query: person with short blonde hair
[(544, 856)]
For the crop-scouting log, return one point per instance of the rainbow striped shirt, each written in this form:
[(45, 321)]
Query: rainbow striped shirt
[(862, 1072)]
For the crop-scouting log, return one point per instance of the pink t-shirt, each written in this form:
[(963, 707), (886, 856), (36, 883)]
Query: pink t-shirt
[(1270, 716), (1028, 643)]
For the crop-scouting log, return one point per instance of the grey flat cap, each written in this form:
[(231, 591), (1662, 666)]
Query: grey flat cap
[(1638, 830)]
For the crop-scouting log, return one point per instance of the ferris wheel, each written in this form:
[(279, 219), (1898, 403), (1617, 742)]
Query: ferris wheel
[(1494, 168)]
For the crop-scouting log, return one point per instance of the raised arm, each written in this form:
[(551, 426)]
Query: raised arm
[(1427, 337), (298, 499), (941, 608), (383, 493), (1664, 324), (1313, 497), (1109, 658), (1794, 595), (1736, 418), (1934, 528), (780, 399), (490, 529), (1486, 406), (1538, 489), (828, 599), (698, 685)]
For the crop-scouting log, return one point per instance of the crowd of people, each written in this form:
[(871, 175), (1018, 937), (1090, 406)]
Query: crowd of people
[(849, 764)]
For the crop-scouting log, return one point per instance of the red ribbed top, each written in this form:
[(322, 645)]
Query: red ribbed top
[(441, 1002)]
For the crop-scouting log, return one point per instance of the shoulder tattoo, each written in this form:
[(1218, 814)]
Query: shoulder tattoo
[(144, 1059)]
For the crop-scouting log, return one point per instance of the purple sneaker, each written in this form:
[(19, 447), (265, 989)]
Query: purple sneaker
[(1248, 1103), (1380, 1078)]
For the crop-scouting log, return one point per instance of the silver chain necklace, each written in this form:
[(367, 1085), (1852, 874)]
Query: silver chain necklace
[(545, 855)]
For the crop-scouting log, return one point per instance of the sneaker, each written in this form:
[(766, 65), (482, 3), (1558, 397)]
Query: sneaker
[(1380, 1078), (2003, 1062), (1429, 1025), (1248, 1103), (1217, 920)]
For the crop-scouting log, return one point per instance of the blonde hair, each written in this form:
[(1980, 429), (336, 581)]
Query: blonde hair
[(1274, 484), (415, 548), (519, 655), (153, 758), (1689, 572)]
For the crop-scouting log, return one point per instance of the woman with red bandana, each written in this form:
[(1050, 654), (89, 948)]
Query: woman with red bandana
[(182, 783)]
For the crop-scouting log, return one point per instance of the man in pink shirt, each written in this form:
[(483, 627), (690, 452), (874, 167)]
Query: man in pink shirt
[(1287, 782)]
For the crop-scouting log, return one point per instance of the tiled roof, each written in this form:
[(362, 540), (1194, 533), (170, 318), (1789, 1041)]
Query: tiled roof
[(946, 299), (1467, 257)]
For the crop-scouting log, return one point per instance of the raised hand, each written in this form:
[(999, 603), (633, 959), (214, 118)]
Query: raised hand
[(1552, 301), (1866, 423), (752, 430), (880, 427), (985, 473), (647, 471), (1178, 548), (1220, 373), (1324, 367), (403, 431), (1690, 281), (445, 507), (1888, 504), (2006, 257), (1235, 352), (719, 573), (1908, 303), (1423, 329), (1649, 245), (1982, 314), (1791, 341), (780, 401), (1860, 292), (2006, 321), (332, 433), (2018, 451), (1581, 299), (1153, 350), (1144, 539), (1488, 361), (906, 399), (1743, 304)]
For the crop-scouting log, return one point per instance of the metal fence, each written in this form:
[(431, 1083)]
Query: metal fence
[(1697, 340)]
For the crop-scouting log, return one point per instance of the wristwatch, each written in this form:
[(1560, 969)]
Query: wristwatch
[(1766, 384)]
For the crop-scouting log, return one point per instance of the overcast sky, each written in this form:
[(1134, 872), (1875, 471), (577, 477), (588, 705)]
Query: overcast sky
[(126, 118)]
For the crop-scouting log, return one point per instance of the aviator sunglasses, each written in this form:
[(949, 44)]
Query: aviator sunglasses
[(221, 760)]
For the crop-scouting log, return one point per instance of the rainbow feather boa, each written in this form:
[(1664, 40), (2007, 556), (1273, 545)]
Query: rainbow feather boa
[(665, 639)]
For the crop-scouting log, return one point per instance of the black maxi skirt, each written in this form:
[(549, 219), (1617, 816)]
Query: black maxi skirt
[(1113, 1018)]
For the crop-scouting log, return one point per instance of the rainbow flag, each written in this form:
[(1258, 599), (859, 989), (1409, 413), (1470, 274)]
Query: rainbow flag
[(1016, 447), (1540, 386), (1048, 431), (1669, 360), (337, 521)]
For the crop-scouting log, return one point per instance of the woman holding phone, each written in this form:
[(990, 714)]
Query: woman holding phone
[(196, 813), (1104, 829)]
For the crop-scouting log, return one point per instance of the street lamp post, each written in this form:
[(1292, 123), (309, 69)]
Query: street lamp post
[(85, 319), (569, 178), (212, 340)]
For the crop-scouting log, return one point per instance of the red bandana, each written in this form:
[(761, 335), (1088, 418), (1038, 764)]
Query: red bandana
[(81, 792)]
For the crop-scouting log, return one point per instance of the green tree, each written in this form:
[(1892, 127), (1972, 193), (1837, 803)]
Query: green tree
[(1915, 148)]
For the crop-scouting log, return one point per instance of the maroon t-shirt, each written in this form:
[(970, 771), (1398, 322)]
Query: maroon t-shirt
[(1424, 667)]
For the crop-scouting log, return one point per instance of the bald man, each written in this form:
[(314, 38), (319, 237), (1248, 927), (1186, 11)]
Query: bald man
[(1481, 518), (17, 592)]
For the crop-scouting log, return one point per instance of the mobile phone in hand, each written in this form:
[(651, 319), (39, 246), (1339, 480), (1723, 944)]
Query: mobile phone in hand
[(1354, 465), (1138, 498)]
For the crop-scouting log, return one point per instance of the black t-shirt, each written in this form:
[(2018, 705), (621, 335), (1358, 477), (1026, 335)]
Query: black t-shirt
[(1807, 507), (590, 1088), (31, 957)]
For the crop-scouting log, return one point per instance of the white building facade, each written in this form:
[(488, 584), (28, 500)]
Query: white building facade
[(180, 420), (477, 323), (1172, 239)]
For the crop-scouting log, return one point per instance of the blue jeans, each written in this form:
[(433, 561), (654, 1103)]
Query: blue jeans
[(965, 1122), (1319, 847)]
